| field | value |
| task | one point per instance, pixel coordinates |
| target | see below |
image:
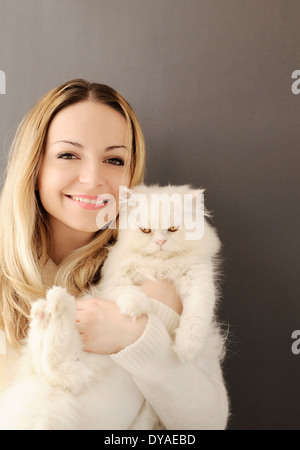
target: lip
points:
(89, 206)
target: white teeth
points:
(87, 200)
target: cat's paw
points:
(186, 348)
(53, 343)
(52, 322)
(60, 304)
(37, 314)
(57, 305)
(132, 305)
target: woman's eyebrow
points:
(76, 144)
(114, 147)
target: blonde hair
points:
(25, 238)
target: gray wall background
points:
(211, 83)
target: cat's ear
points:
(196, 193)
(198, 196)
(197, 200)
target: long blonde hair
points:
(24, 233)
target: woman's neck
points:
(65, 240)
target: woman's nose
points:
(91, 175)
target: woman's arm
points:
(105, 330)
(185, 396)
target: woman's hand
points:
(104, 329)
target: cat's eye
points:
(146, 230)
(173, 229)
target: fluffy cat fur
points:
(189, 264)
(57, 382)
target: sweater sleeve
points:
(185, 396)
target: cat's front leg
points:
(133, 302)
(198, 293)
(51, 325)
(54, 344)
(190, 337)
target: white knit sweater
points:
(190, 396)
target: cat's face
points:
(153, 228)
(161, 242)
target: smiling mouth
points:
(88, 201)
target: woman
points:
(80, 142)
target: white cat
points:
(57, 382)
(143, 253)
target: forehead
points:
(90, 122)
(156, 212)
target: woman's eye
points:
(115, 161)
(66, 156)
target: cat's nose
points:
(161, 242)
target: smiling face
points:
(83, 166)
